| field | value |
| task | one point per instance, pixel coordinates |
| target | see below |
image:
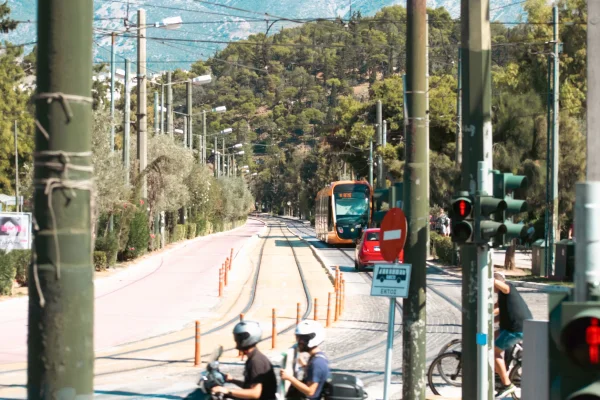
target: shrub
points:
(139, 236)
(21, 259)
(155, 241)
(108, 244)
(100, 261)
(191, 230)
(179, 233)
(201, 226)
(444, 249)
(8, 272)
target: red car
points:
(368, 251)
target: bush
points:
(179, 233)
(443, 248)
(21, 260)
(108, 244)
(155, 241)
(201, 226)
(100, 261)
(191, 230)
(139, 236)
(8, 272)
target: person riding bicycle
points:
(259, 381)
(512, 311)
(309, 335)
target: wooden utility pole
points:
(60, 359)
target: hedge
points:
(191, 230)
(179, 233)
(108, 244)
(8, 272)
(443, 247)
(100, 261)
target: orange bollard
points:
(336, 313)
(298, 307)
(337, 278)
(221, 282)
(225, 273)
(231, 258)
(316, 317)
(227, 263)
(343, 295)
(197, 356)
(274, 333)
(328, 310)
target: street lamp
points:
(237, 146)
(170, 23)
(226, 131)
(220, 109)
(202, 80)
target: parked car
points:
(368, 250)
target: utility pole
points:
(477, 338)
(156, 114)
(162, 107)
(554, 231)
(203, 143)
(17, 166)
(185, 132)
(416, 178)
(405, 112)
(112, 92)
(223, 153)
(169, 105)
(142, 145)
(384, 143)
(60, 355)
(593, 93)
(371, 162)
(189, 114)
(127, 121)
(216, 162)
(458, 156)
(380, 179)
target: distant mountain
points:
(210, 22)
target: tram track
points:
(222, 326)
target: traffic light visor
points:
(462, 208)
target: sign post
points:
(391, 280)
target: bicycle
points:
(451, 376)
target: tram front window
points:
(353, 208)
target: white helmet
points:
(312, 331)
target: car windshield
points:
(372, 236)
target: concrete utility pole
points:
(204, 143)
(169, 105)
(587, 205)
(554, 231)
(162, 107)
(189, 114)
(112, 92)
(380, 179)
(216, 161)
(142, 145)
(127, 121)
(223, 158)
(185, 132)
(17, 166)
(60, 355)
(416, 178)
(156, 114)
(458, 157)
(476, 166)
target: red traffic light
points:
(462, 208)
(581, 339)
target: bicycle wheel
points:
(453, 345)
(445, 374)
(515, 378)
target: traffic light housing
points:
(575, 350)
(461, 216)
(504, 185)
(488, 211)
(380, 196)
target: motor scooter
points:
(209, 379)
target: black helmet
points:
(246, 334)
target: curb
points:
(542, 287)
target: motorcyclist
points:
(259, 381)
(309, 335)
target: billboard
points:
(15, 231)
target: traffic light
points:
(575, 351)
(504, 185)
(380, 196)
(488, 222)
(462, 218)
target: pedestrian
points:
(259, 381)
(309, 336)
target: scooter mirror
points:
(219, 352)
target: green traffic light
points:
(462, 232)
